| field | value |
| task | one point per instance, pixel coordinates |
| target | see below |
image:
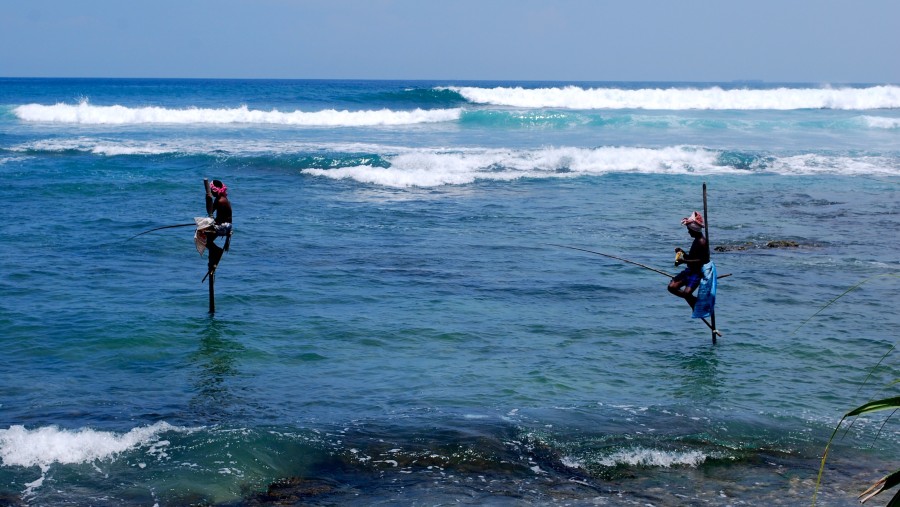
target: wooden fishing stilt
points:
(212, 292)
(211, 273)
(712, 313)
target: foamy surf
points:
(575, 97)
(435, 168)
(408, 167)
(49, 445)
(655, 458)
(425, 168)
(880, 122)
(88, 114)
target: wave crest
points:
(47, 445)
(86, 113)
(423, 168)
(574, 97)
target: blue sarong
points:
(706, 293)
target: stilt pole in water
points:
(712, 313)
(211, 273)
(212, 293)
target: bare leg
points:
(679, 289)
(215, 255)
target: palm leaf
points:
(885, 483)
(895, 502)
(872, 406)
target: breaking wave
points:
(405, 167)
(574, 97)
(44, 446)
(49, 445)
(86, 113)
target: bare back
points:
(222, 207)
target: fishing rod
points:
(160, 228)
(616, 258)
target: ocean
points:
(395, 322)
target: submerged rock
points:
(11, 500)
(292, 491)
(779, 243)
(782, 243)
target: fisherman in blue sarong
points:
(699, 271)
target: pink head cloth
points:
(693, 222)
(221, 191)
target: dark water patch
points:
(766, 245)
(414, 97)
(807, 201)
(490, 462)
(295, 491)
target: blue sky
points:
(823, 41)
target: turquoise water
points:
(393, 324)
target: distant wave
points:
(549, 118)
(86, 113)
(421, 97)
(573, 97)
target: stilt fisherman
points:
(218, 224)
(700, 271)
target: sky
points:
(800, 41)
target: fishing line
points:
(160, 228)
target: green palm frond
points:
(887, 482)
(892, 403)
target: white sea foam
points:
(409, 167)
(425, 168)
(641, 456)
(432, 168)
(4, 160)
(45, 446)
(812, 164)
(86, 113)
(574, 97)
(880, 122)
(185, 145)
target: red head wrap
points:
(693, 222)
(220, 190)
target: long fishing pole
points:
(638, 264)
(160, 228)
(617, 258)
(670, 275)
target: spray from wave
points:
(574, 97)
